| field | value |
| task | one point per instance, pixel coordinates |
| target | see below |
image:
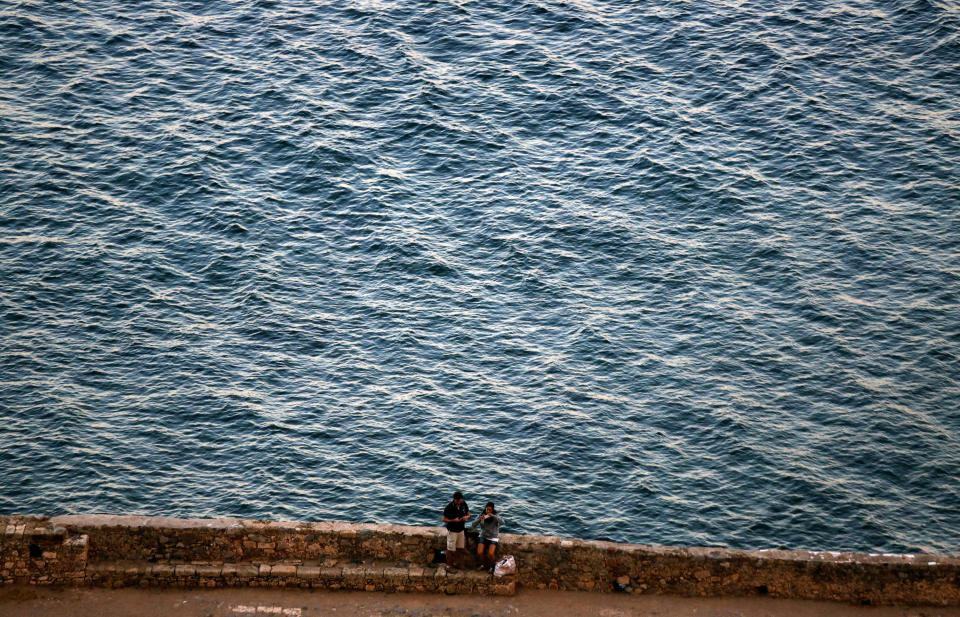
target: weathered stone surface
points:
(113, 551)
(505, 589)
(247, 571)
(352, 571)
(396, 573)
(283, 570)
(370, 572)
(209, 571)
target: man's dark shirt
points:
(452, 511)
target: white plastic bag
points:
(507, 565)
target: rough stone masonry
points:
(115, 551)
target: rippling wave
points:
(661, 272)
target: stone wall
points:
(117, 551)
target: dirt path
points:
(247, 602)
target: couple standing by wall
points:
(455, 516)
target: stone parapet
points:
(37, 551)
(113, 551)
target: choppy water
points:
(669, 272)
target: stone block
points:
(209, 571)
(308, 571)
(283, 570)
(185, 570)
(162, 569)
(476, 576)
(247, 571)
(265, 569)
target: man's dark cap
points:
(458, 495)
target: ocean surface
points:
(665, 272)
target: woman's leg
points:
(480, 555)
(492, 554)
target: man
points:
(454, 516)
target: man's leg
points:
(461, 548)
(451, 548)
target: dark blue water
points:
(662, 272)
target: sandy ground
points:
(246, 602)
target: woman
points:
(489, 523)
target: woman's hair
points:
(490, 505)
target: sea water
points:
(664, 272)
